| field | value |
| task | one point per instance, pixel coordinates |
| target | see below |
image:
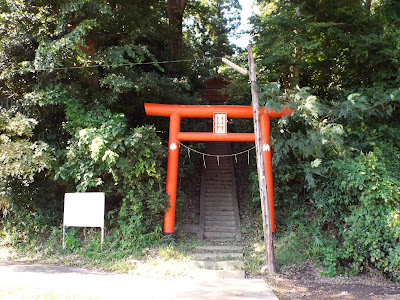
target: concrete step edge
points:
(217, 255)
(220, 235)
(220, 248)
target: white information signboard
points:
(84, 210)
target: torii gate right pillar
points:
(266, 142)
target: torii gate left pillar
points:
(175, 112)
(172, 172)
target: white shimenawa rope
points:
(217, 155)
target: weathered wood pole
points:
(269, 245)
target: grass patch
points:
(83, 249)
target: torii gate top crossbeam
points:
(206, 111)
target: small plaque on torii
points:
(220, 123)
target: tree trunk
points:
(176, 8)
(268, 239)
(368, 5)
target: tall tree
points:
(176, 9)
(323, 44)
(208, 26)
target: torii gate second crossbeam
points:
(176, 112)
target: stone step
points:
(212, 166)
(231, 248)
(219, 223)
(216, 190)
(218, 193)
(217, 274)
(219, 214)
(216, 196)
(219, 219)
(218, 206)
(219, 264)
(217, 209)
(219, 229)
(215, 180)
(219, 179)
(218, 182)
(213, 160)
(219, 176)
(218, 255)
(218, 201)
(219, 235)
(217, 185)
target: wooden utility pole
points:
(269, 245)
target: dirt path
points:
(308, 283)
(39, 281)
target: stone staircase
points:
(220, 255)
(219, 213)
(218, 260)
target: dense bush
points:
(337, 185)
(336, 159)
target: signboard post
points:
(84, 210)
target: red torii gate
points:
(176, 112)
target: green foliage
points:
(363, 200)
(77, 73)
(21, 159)
(328, 46)
(111, 158)
(336, 158)
(339, 163)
